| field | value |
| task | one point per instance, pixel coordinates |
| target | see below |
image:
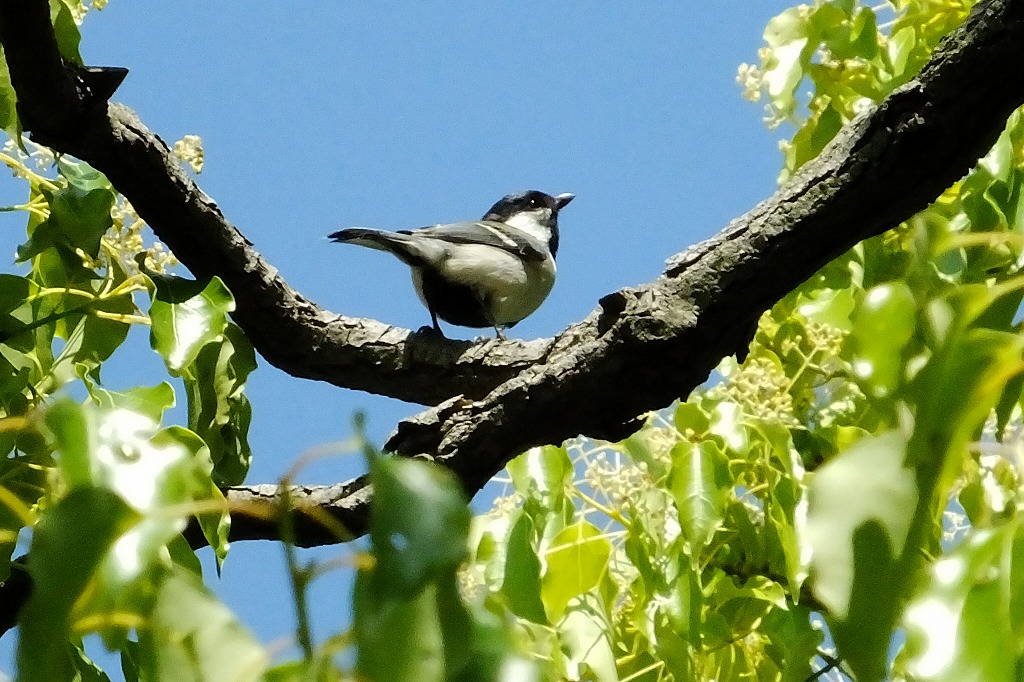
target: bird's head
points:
(533, 212)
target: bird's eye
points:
(534, 202)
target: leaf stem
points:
(17, 165)
(298, 574)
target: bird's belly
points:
(481, 289)
(517, 299)
(452, 302)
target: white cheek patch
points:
(533, 223)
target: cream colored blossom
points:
(189, 149)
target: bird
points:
(492, 272)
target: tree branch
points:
(640, 349)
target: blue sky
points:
(320, 116)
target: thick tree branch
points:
(640, 348)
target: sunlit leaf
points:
(185, 316)
(862, 505)
(576, 562)
(418, 525)
(73, 437)
(149, 401)
(543, 471)
(787, 35)
(701, 486)
(67, 546)
(521, 586)
(191, 635)
(585, 634)
(219, 411)
(966, 622)
(883, 325)
(65, 29)
(8, 102)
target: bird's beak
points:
(563, 199)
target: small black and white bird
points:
(492, 272)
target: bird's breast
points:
(507, 288)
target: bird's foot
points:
(427, 330)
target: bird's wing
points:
(486, 233)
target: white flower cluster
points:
(189, 149)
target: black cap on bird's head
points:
(532, 200)
(537, 208)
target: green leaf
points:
(864, 36)
(966, 623)
(14, 312)
(792, 641)
(218, 410)
(397, 636)
(691, 420)
(82, 176)
(72, 437)
(78, 219)
(674, 651)
(787, 37)
(782, 530)
(576, 561)
(23, 481)
(1007, 402)
(901, 44)
(68, 543)
(477, 645)
(156, 472)
(149, 401)
(85, 669)
(701, 486)
(65, 29)
(91, 339)
(130, 660)
(649, 445)
(418, 523)
(9, 122)
(543, 473)
(521, 586)
(884, 323)
(186, 316)
(320, 669)
(862, 506)
(652, 540)
(586, 637)
(191, 635)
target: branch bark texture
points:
(637, 351)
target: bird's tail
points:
(404, 247)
